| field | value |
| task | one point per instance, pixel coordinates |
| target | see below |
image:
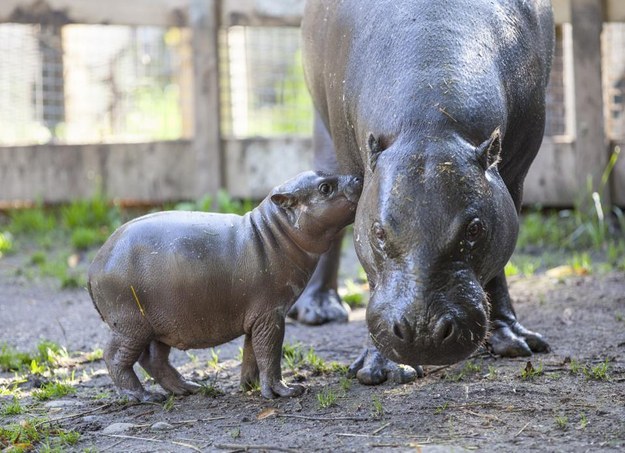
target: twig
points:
(486, 416)
(324, 419)
(188, 422)
(522, 429)
(113, 446)
(244, 447)
(143, 439)
(67, 417)
(182, 444)
(381, 428)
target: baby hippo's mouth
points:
(353, 190)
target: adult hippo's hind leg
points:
(320, 302)
(508, 337)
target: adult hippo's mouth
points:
(428, 327)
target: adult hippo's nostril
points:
(403, 330)
(444, 330)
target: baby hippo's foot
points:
(372, 368)
(316, 307)
(514, 340)
(271, 390)
(155, 360)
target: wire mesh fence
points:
(614, 80)
(90, 84)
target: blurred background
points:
(152, 101)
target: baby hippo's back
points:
(171, 273)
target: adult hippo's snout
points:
(420, 326)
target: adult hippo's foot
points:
(372, 368)
(320, 307)
(514, 340)
(320, 303)
(508, 338)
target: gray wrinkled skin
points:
(197, 280)
(440, 106)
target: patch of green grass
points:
(213, 362)
(55, 389)
(12, 360)
(581, 263)
(583, 421)
(529, 372)
(235, 432)
(36, 434)
(318, 365)
(38, 258)
(354, 294)
(210, 391)
(442, 408)
(599, 372)
(84, 238)
(345, 383)
(168, 405)
(12, 408)
(293, 355)
(326, 398)
(31, 221)
(492, 373)
(468, 368)
(561, 422)
(93, 214)
(6, 243)
(378, 408)
(95, 355)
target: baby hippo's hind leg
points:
(155, 360)
(249, 367)
(120, 355)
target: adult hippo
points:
(440, 105)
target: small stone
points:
(161, 426)
(116, 428)
(62, 403)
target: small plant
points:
(95, 355)
(529, 373)
(12, 360)
(101, 395)
(12, 408)
(378, 408)
(56, 389)
(317, 364)
(354, 294)
(511, 269)
(32, 220)
(561, 422)
(69, 437)
(240, 354)
(213, 362)
(6, 243)
(442, 408)
(581, 263)
(293, 355)
(492, 372)
(84, 238)
(235, 433)
(345, 383)
(38, 258)
(619, 317)
(210, 391)
(168, 405)
(599, 372)
(326, 398)
(576, 367)
(583, 421)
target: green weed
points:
(235, 433)
(326, 398)
(492, 372)
(378, 407)
(562, 422)
(95, 355)
(468, 368)
(354, 294)
(529, 373)
(55, 389)
(210, 391)
(442, 408)
(293, 355)
(12, 408)
(6, 243)
(38, 258)
(345, 383)
(168, 405)
(12, 360)
(84, 238)
(31, 221)
(599, 372)
(213, 362)
(317, 364)
(583, 421)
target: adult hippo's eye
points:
(325, 188)
(475, 230)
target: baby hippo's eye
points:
(325, 188)
(475, 230)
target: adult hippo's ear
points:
(375, 149)
(284, 200)
(488, 152)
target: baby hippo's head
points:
(317, 206)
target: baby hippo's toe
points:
(280, 388)
(181, 387)
(143, 396)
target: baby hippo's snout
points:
(353, 188)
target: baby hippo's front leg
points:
(267, 337)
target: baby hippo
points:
(196, 280)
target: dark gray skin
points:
(197, 280)
(440, 106)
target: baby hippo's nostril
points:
(444, 330)
(403, 330)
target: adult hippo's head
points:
(435, 223)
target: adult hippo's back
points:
(441, 106)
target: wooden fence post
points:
(591, 145)
(207, 150)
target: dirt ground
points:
(483, 404)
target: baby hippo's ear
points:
(284, 200)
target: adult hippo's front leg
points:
(320, 302)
